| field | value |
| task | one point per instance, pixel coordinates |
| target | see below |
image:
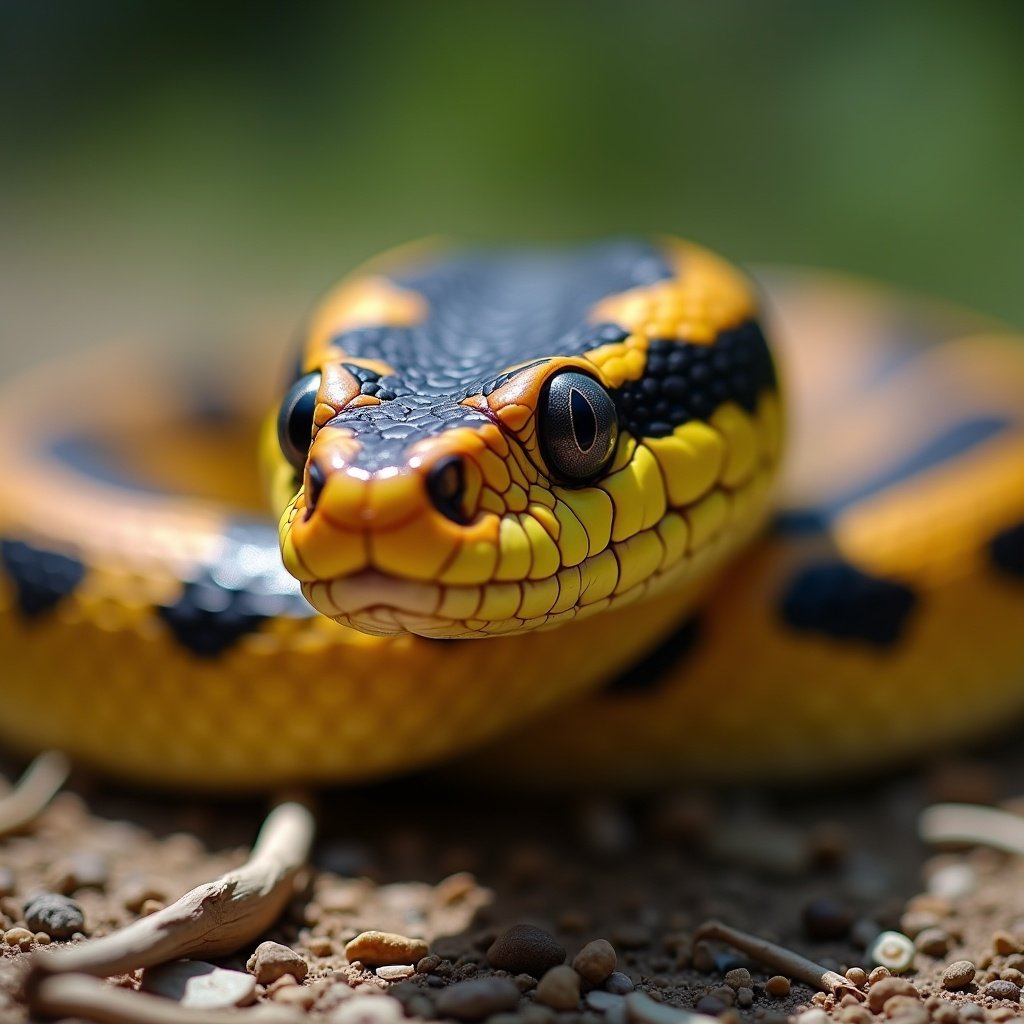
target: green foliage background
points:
(178, 166)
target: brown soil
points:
(817, 872)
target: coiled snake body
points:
(567, 452)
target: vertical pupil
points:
(584, 422)
(300, 421)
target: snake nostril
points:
(315, 480)
(446, 485)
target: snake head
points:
(482, 445)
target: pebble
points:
(273, 960)
(478, 998)
(395, 972)
(54, 914)
(526, 949)
(857, 976)
(199, 984)
(953, 881)
(604, 1001)
(367, 1009)
(933, 941)
(1003, 990)
(711, 1005)
(83, 870)
(827, 918)
(320, 945)
(1010, 974)
(777, 986)
(814, 1016)
(619, 984)
(1004, 943)
(139, 891)
(884, 989)
(20, 937)
(294, 995)
(595, 961)
(382, 949)
(559, 988)
(892, 950)
(738, 977)
(428, 964)
(877, 974)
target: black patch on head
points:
(488, 311)
(840, 601)
(658, 667)
(1007, 551)
(684, 381)
(234, 595)
(41, 578)
(369, 382)
(489, 387)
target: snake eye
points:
(578, 426)
(295, 420)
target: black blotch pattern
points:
(685, 381)
(41, 578)
(1007, 551)
(838, 600)
(369, 382)
(659, 666)
(208, 618)
(234, 595)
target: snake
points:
(606, 514)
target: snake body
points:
(526, 487)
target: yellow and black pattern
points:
(606, 444)
(554, 434)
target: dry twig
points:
(79, 996)
(35, 789)
(212, 920)
(783, 960)
(971, 823)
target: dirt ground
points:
(818, 872)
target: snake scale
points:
(561, 513)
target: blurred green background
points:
(179, 169)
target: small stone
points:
(526, 949)
(744, 997)
(885, 988)
(827, 918)
(857, 976)
(777, 986)
(878, 973)
(294, 995)
(1009, 974)
(894, 951)
(395, 972)
(711, 1005)
(428, 964)
(559, 988)
(1003, 944)
(703, 958)
(478, 998)
(972, 1012)
(525, 982)
(42, 939)
(595, 961)
(382, 949)
(953, 881)
(815, 1016)
(20, 937)
(83, 870)
(194, 983)
(958, 974)
(738, 977)
(1003, 990)
(272, 960)
(604, 1001)
(54, 914)
(320, 945)
(138, 891)
(619, 984)
(367, 1009)
(855, 1015)
(933, 942)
